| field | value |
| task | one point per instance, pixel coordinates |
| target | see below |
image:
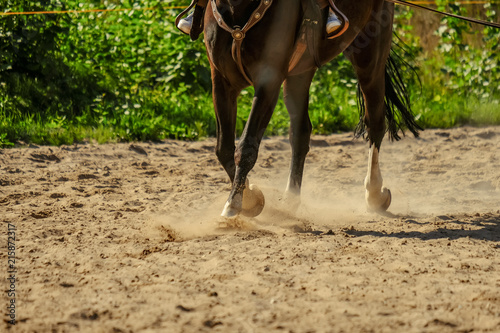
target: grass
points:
(328, 115)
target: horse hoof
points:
(380, 203)
(387, 202)
(253, 201)
(291, 201)
(229, 211)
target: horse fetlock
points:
(248, 202)
(245, 157)
(378, 201)
(373, 184)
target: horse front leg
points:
(225, 105)
(245, 198)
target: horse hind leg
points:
(371, 81)
(296, 96)
(370, 65)
(378, 197)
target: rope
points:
(468, 19)
(426, 2)
(87, 11)
(456, 2)
(472, 2)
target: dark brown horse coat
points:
(266, 53)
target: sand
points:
(128, 238)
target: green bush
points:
(130, 75)
(459, 82)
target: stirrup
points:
(332, 23)
(185, 24)
(180, 18)
(193, 24)
(341, 18)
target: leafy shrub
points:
(460, 82)
(130, 75)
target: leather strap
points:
(313, 30)
(323, 3)
(306, 36)
(239, 33)
(300, 49)
(198, 22)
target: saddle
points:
(310, 32)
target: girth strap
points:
(239, 33)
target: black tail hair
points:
(399, 115)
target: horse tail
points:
(399, 115)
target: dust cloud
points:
(122, 241)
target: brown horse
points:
(265, 55)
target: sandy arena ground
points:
(128, 238)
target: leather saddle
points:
(310, 33)
(309, 16)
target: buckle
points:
(238, 34)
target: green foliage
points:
(333, 102)
(150, 76)
(36, 80)
(460, 82)
(130, 75)
(130, 71)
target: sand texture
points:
(129, 238)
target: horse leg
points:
(225, 104)
(378, 198)
(246, 199)
(370, 63)
(296, 96)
